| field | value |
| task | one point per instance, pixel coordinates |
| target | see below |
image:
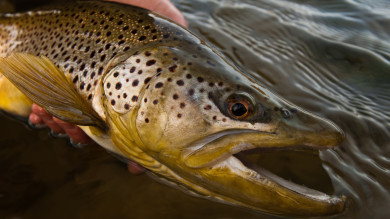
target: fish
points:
(148, 90)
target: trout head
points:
(191, 112)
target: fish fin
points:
(45, 84)
(12, 100)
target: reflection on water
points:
(330, 57)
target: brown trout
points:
(147, 89)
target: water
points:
(330, 57)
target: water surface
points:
(330, 57)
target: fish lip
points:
(258, 173)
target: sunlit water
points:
(330, 57)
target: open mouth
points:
(264, 171)
(243, 152)
(297, 170)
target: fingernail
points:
(35, 126)
(77, 144)
(57, 135)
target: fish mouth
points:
(242, 182)
(258, 171)
(237, 159)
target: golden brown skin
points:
(149, 90)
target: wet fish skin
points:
(147, 89)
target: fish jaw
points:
(216, 165)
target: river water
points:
(330, 57)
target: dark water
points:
(330, 57)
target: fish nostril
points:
(293, 110)
(285, 113)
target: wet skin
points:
(40, 117)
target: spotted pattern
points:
(82, 37)
(129, 78)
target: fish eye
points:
(239, 108)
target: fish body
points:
(149, 90)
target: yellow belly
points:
(12, 100)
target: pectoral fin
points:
(45, 84)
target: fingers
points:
(46, 118)
(35, 119)
(39, 116)
(135, 168)
(74, 132)
(163, 7)
(168, 9)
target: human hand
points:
(163, 7)
(39, 116)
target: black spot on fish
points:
(147, 80)
(147, 120)
(100, 71)
(179, 115)
(188, 76)
(134, 98)
(175, 96)
(118, 86)
(159, 85)
(200, 79)
(108, 85)
(142, 38)
(155, 102)
(75, 79)
(82, 67)
(173, 68)
(208, 107)
(135, 83)
(127, 106)
(150, 62)
(182, 105)
(180, 82)
(113, 102)
(191, 92)
(132, 70)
